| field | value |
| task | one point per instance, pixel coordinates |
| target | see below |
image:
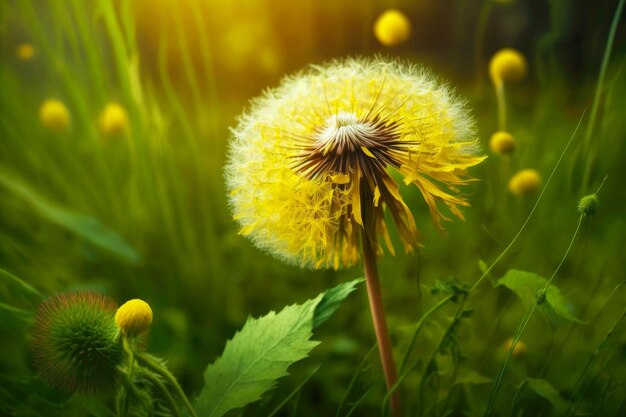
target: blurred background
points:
(124, 192)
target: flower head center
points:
(344, 132)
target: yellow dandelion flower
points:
(113, 120)
(502, 143)
(54, 115)
(507, 64)
(134, 317)
(392, 27)
(308, 165)
(25, 51)
(525, 182)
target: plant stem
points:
(380, 323)
(501, 105)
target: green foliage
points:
(529, 287)
(87, 227)
(260, 353)
(544, 389)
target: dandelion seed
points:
(308, 165)
(525, 182)
(134, 317)
(392, 28)
(25, 52)
(113, 120)
(54, 116)
(74, 342)
(502, 143)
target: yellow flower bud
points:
(54, 115)
(113, 120)
(25, 51)
(502, 143)
(525, 182)
(507, 65)
(134, 317)
(392, 27)
(519, 350)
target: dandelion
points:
(502, 143)
(25, 51)
(506, 65)
(134, 317)
(113, 120)
(525, 182)
(308, 169)
(392, 28)
(74, 342)
(54, 115)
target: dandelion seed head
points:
(525, 182)
(308, 163)
(54, 115)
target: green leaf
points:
(527, 285)
(260, 353)
(87, 227)
(331, 300)
(470, 377)
(547, 391)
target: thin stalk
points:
(129, 376)
(163, 390)
(380, 323)
(501, 105)
(600, 87)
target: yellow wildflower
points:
(113, 120)
(507, 64)
(308, 164)
(502, 143)
(519, 350)
(525, 182)
(134, 317)
(25, 51)
(392, 27)
(54, 115)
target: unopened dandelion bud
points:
(54, 115)
(588, 205)
(113, 120)
(74, 342)
(507, 65)
(519, 350)
(502, 143)
(309, 170)
(525, 182)
(392, 27)
(25, 51)
(134, 317)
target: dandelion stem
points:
(380, 323)
(501, 105)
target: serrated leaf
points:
(260, 353)
(87, 227)
(547, 391)
(331, 300)
(526, 285)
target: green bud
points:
(587, 205)
(541, 297)
(75, 346)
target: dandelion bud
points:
(74, 346)
(54, 115)
(507, 65)
(519, 350)
(502, 143)
(525, 182)
(113, 120)
(587, 205)
(25, 51)
(134, 317)
(392, 27)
